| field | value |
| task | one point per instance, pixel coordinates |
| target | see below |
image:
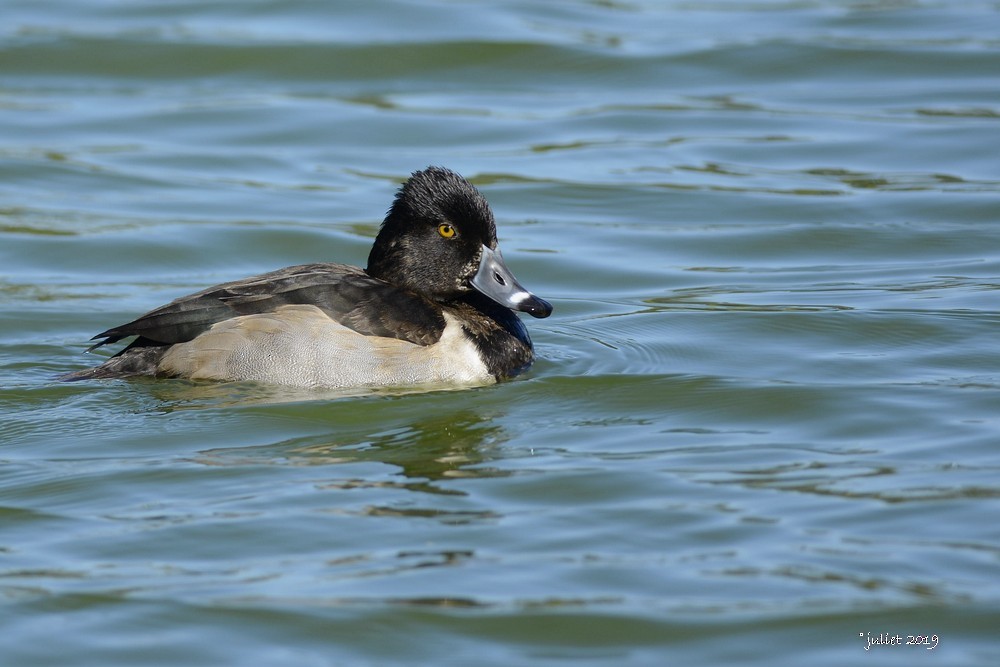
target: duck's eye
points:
(446, 231)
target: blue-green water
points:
(763, 426)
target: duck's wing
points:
(345, 293)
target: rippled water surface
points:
(764, 422)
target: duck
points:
(436, 305)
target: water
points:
(763, 423)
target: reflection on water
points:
(180, 394)
(450, 445)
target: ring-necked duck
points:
(434, 306)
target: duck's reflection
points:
(446, 445)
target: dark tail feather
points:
(130, 362)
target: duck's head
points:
(439, 240)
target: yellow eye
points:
(446, 230)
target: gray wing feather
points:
(346, 293)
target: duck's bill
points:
(496, 281)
